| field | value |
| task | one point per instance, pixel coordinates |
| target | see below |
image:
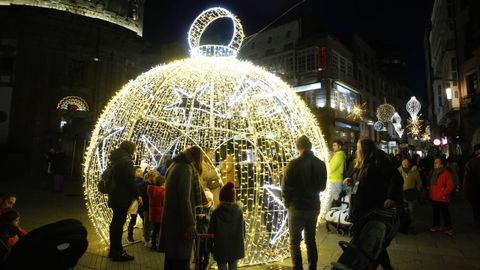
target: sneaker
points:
(448, 232)
(436, 229)
(130, 238)
(148, 244)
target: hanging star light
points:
(414, 126)
(358, 111)
(212, 100)
(385, 112)
(413, 107)
(426, 134)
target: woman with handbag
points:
(412, 185)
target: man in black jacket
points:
(124, 192)
(305, 177)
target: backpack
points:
(105, 184)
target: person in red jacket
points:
(156, 195)
(440, 188)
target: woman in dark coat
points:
(124, 192)
(376, 184)
(182, 193)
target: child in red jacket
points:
(440, 188)
(156, 195)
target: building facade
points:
(454, 56)
(331, 74)
(59, 68)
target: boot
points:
(122, 257)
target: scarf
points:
(435, 174)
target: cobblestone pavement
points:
(423, 250)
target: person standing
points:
(471, 184)
(305, 177)
(336, 167)
(141, 186)
(440, 189)
(156, 195)
(124, 192)
(182, 189)
(412, 185)
(376, 185)
(228, 227)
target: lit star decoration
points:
(385, 112)
(214, 101)
(414, 126)
(426, 134)
(358, 112)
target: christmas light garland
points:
(215, 102)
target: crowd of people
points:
(186, 200)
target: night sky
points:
(396, 22)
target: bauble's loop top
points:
(202, 22)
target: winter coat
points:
(228, 227)
(304, 178)
(124, 188)
(336, 167)
(156, 196)
(440, 192)
(374, 183)
(182, 192)
(411, 179)
(471, 180)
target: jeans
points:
(133, 221)
(443, 208)
(411, 208)
(227, 266)
(298, 221)
(116, 229)
(332, 192)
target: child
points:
(203, 219)
(10, 229)
(156, 196)
(228, 227)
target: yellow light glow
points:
(414, 126)
(358, 111)
(220, 103)
(385, 112)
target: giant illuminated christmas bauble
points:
(218, 102)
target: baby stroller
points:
(376, 230)
(337, 217)
(55, 246)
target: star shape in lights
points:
(274, 191)
(189, 103)
(152, 150)
(100, 152)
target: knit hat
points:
(228, 193)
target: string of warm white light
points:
(220, 103)
(78, 103)
(413, 107)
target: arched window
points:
(73, 103)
